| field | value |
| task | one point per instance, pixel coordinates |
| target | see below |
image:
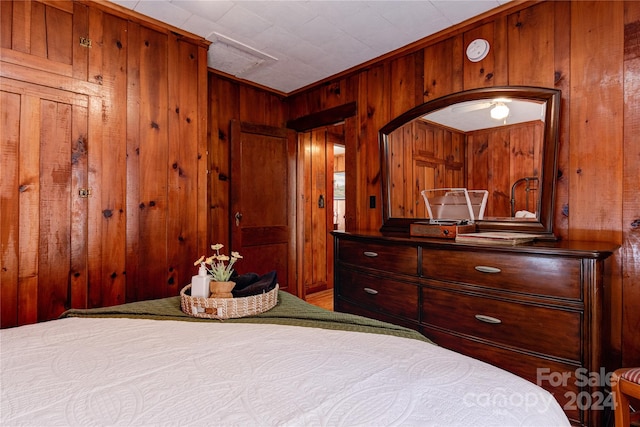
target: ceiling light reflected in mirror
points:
(499, 111)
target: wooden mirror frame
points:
(543, 225)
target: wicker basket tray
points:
(227, 308)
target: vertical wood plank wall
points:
(590, 51)
(125, 119)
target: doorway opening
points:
(322, 184)
(339, 185)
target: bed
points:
(148, 363)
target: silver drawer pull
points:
(371, 291)
(370, 254)
(487, 269)
(488, 319)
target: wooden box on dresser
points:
(536, 309)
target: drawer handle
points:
(371, 291)
(488, 319)
(487, 269)
(370, 254)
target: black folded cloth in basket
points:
(252, 284)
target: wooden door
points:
(263, 165)
(42, 216)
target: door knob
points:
(238, 217)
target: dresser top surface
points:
(570, 248)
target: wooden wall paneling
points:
(499, 168)
(224, 103)
(39, 43)
(417, 180)
(30, 42)
(21, 36)
(482, 73)
(442, 68)
(183, 203)
(29, 172)
(330, 211)
(299, 103)
(577, 53)
(107, 154)
(102, 234)
(96, 58)
(397, 153)
(9, 205)
(351, 143)
(133, 199)
(259, 106)
(333, 94)
(304, 208)
(319, 206)
(629, 254)
(531, 30)
(453, 158)
(154, 161)
(80, 53)
(6, 24)
(561, 16)
(79, 161)
(500, 59)
(406, 83)
(420, 137)
(59, 34)
(596, 182)
(202, 145)
(54, 255)
(373, 113)
(56, 120)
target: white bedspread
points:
(146, 372)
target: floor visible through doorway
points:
(322, 299)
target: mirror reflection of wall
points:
(339, 203)
(507, 160)
(463, 146)
(459, 140)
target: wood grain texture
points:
(153, 164)
(595, 168)
(584, 48)
(9, 205)
(182, 190)
(562, 80)
(627, 294)
(106, 128)
(107, 151)
(54, 245)
(223, 107)
(482, 73)
(6, 24)
(133, 158)
(574, 46)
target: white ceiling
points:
(474, 115)
(289, 44)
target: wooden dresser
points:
(536, 310)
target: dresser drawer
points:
(373, 292)
(396, 259)
(532, 328)
(530, 367)
(532, 274)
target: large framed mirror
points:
(500, 139)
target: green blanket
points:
(290, 310)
